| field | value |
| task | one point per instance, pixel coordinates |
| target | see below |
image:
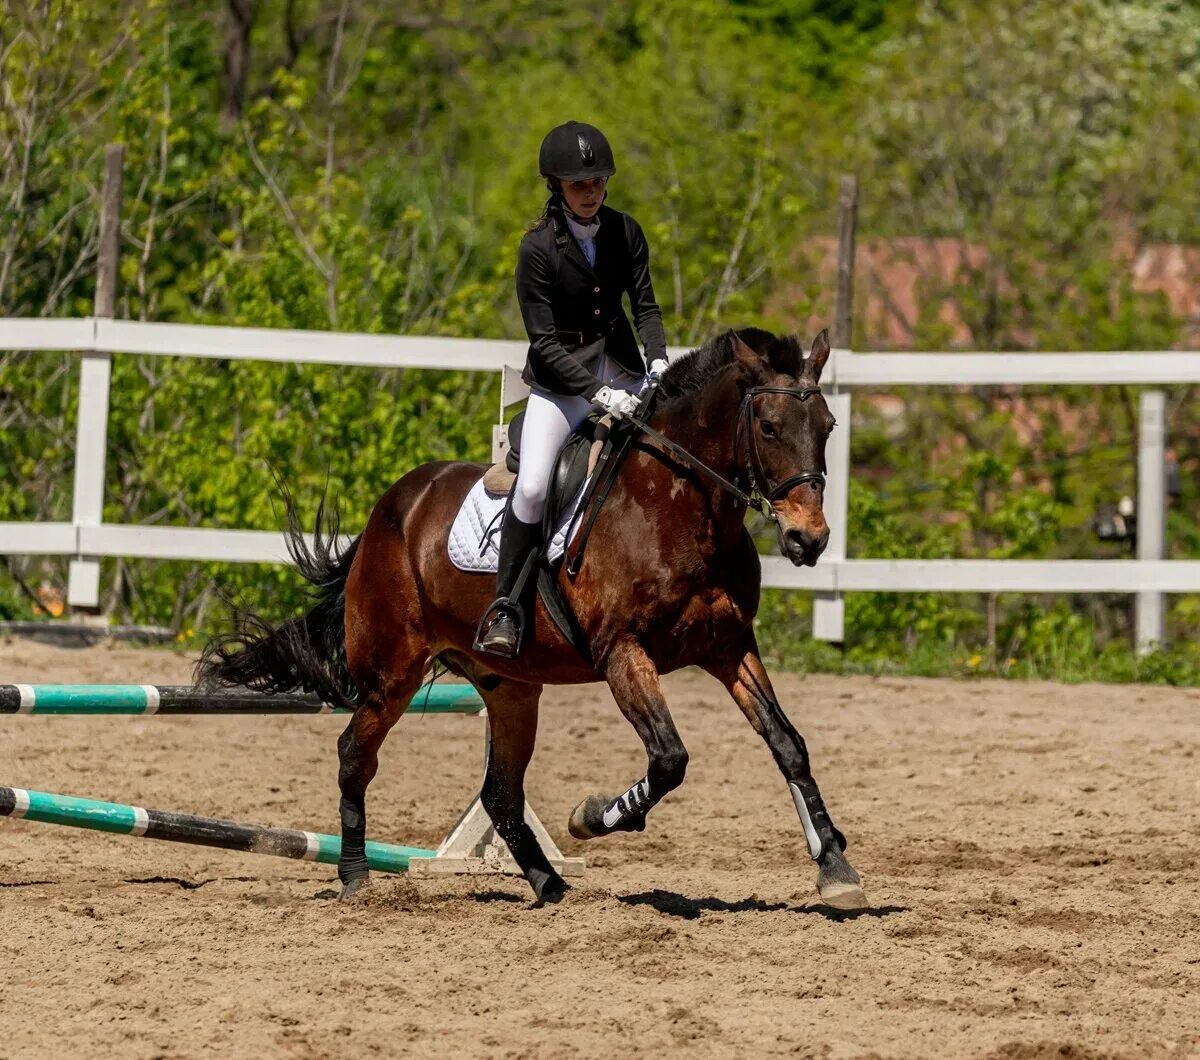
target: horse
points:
(671, 578)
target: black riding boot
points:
(518, 540)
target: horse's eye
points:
(767, 428)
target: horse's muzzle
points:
(803, 547)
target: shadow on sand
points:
(500, 896)
(691, 908)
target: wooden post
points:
(95, 374)
(843, 316)
(108, 255)
(829, 609)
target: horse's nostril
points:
(805, 539)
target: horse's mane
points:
(695, 370)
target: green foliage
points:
(1062, 646)
(379, 171)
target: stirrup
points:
(501, 607)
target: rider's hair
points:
(554, 204)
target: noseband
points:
(762, 493)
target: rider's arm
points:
(647, 317)
(535, 278)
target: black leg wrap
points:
(352, 863)
(819, 830)
(547, 884)
(353, 869)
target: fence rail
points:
(846, 368)
(97, 339)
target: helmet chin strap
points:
(571, 213)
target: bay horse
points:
(671, 578)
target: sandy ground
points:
(1030, 849)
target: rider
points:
(572, 268)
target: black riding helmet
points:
(576, 151)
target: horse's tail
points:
(306, 653)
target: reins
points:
(759, 498)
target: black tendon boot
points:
(519, 542)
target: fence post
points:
(95, 374)
(829, 609)
(1151, 510)
(843, 317)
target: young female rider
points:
(572, 269)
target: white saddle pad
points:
(474, 541)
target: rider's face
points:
(584, 197)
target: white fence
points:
(87, 538)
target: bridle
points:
(762, 492)
(760, 484)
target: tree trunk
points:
(237, 59)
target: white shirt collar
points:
(582, 232)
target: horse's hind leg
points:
(748, 683)
(635, 686)
(512, 710)
(358, 759)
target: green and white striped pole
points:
(201, 831)
(183, 699)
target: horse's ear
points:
(817, 357)
(747, 359)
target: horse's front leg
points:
(746, 678)
(635, 686)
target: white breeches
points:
(550, 419)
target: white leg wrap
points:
(628, 804)
(810, 833)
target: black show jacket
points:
(573, 311)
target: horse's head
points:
(783, 426)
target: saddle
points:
(575, 462)
(592, 453)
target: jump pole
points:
(472, 846)
(200, 831)
(184, 699)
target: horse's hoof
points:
(355, 885)
(587, 819)
(549, 888)
(845, 896)
(838, 884)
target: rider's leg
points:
(518, 540)
(549, 421)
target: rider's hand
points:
(657, 367)
(616, 402)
